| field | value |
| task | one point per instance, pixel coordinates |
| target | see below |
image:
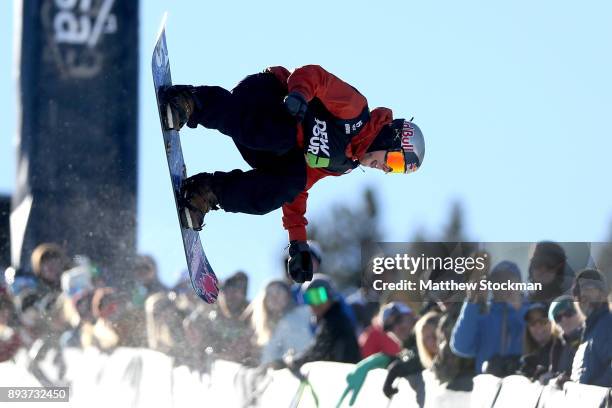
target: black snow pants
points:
(254, 116)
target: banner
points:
(77, 125)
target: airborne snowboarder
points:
(293, 129)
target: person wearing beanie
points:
(537, 341)
(593, 359)
(548, 266)
(233, 295)
(335, 338)
(48, 261)
(225, 326)
(493, 337)
(387, 333)
(569, 325)
(293, 129)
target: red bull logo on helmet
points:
(407, 133)
(411, 167)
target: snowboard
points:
(203, 279)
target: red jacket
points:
(344, 102)
(375, 340)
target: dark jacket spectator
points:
(364, 304)
(26, 305)
(410, 362)
(229, 338)
(51, 325)
(335, 335)
(549, 267)
(165, 325)
(593, 360)
(570, 325)
(223, 330)
(233, 295)
(456, 371)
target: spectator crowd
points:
(558, 334)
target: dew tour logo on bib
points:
(318, 143)
(407, 133)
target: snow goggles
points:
(396, 161)
(316, 296)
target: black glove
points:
(296, 105)
(181, 101)
(299, 265)
(392, 373)
(402, 367)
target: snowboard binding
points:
(195, 200)
(177, 105)
(190, 216)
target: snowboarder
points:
(293, 129)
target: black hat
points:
(547, 253)
(536, 306)
(589, 277)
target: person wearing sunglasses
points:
(335, 338)
(565, 316)
(569, 324)
(293, 129)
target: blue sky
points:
(514, 100)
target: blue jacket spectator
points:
(593, 360)
(498, 331)
(478, 335)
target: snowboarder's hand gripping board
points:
(178, 104)
(197, 198)
(299, 264)
(175, 107)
